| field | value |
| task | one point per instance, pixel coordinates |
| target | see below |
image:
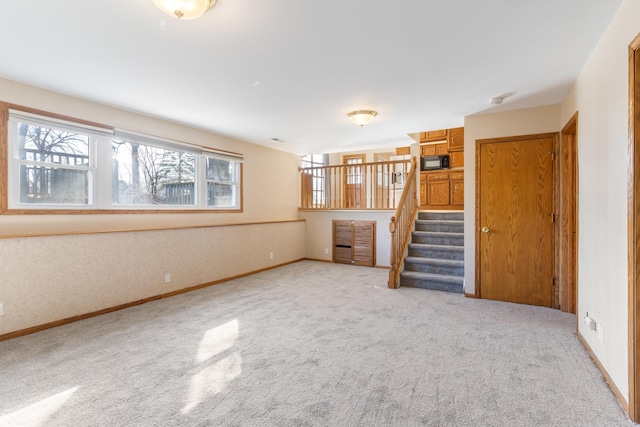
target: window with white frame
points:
(56, 164)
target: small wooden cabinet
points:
(354, 242)
(433, 135)
(423, 188)
(455, 139)
(433, 149)
(456, 188)
(403, 151)
(442, 190)
(456, 159)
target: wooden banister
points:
(358, 186)
(401, 225)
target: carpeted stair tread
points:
(435, 266)
(437, 225)
(441, 261)
(458, 216)
(438, 221)
(438, 237)
(436, 282)
(436, 247)
(433, 277)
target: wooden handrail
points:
(360, 186)
(401, 225)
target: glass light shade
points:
(361, 117)
(184, 9)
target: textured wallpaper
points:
(44, 279)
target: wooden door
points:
(515, 232)
(342, 241)
(354, 181)
(364, 237)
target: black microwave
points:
(434, 162)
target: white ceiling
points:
(293, 69)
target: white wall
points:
(495, 125)
(319, 232)
(600, 95)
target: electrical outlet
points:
(326, 251)
(270, 255)
(167, 278)
(1, 309)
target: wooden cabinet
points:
(428, 150)
(433, 149)
(442, 190)
(423, 188)
(438, 188)
(433, 135)
(354, 242)
(456, 159)
(456, 188)
(455, 139)
(403, 151)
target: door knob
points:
(485, 229)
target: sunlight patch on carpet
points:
(39, 413)
(212, 380)
(217, 340)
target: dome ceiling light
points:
(184, 9)
(362, 117)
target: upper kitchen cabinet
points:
(433, 135)
(455, 139)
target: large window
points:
(57, 164)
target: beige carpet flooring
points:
(309, 344)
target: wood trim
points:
(4, 158)
(568, 217)
(113, 211)
(319, 260)
(467, 295)
(346, 157)
(633, 223)
(477, 290)
(516, 138)
(49, 114)
(68, 320)
(555, 291)
(605, 374)
(135, 230)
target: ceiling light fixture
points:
(184, 9)
(361, 117)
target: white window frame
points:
(94, 134)
(99, 169)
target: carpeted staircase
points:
(436, 253)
